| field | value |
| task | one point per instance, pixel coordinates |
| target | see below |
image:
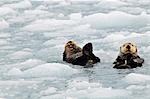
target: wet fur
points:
(84, 57)
(70, 54)
(128, 59)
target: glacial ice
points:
(20, 5)
(113, 20)
(134, 78)
(32, 38)
(3, 24)
(48, 25)
(6, 11)
(20, 55)
(84, 89)
(49, 69)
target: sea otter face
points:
(70, 47)
(128, 48)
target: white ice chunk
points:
(134, 78)
(86, 90)
(57, 41)
(111, 4)
(3, 24)
(17, 82)
(114, 37)
(41, 7)
(6, 10)
(20, 55)
(14, 72)
(80, 85)
(20, 5)
(137, 87)
(116, 19)
(132, 10)
(3, 42)
(48, 24)
(4, 35)
(30, 63)
(48, 91)
(75, 16)
(35, 12)
(16, 20)
(50, 69)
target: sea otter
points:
(128, 57)
(77, 56)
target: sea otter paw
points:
(138, 60)
(90, 61)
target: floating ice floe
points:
(138, 87)
(3, 24)
(4, 35)
(81, 85)
(14, 72)
(45, 70)
(16, 20)
(110, 38)
(6, 11)
(132, 10)
(20, 5)
(3, 42)
(20, 54)
(56, 41)
(4, 39)
(41, 7)
(36, 12)
(48, 25)
(134, 78)
(116, 19)
(50, 69)
(86, 90)
(111, 4)
(75, 16)
(30, 63)
(138, 2)
(121, 37)
(17, 82)
(48, 91)
(113, 37)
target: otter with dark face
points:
(77, 56)
(128, 57)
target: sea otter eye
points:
(124, 45)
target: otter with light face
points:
(77, 56)
(128, 57)
(71, 51)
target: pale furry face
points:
(128, 48)
(70, 47)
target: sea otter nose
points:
(128, 47)
(71, 45)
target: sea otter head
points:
(128, 48)
(70, 47)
